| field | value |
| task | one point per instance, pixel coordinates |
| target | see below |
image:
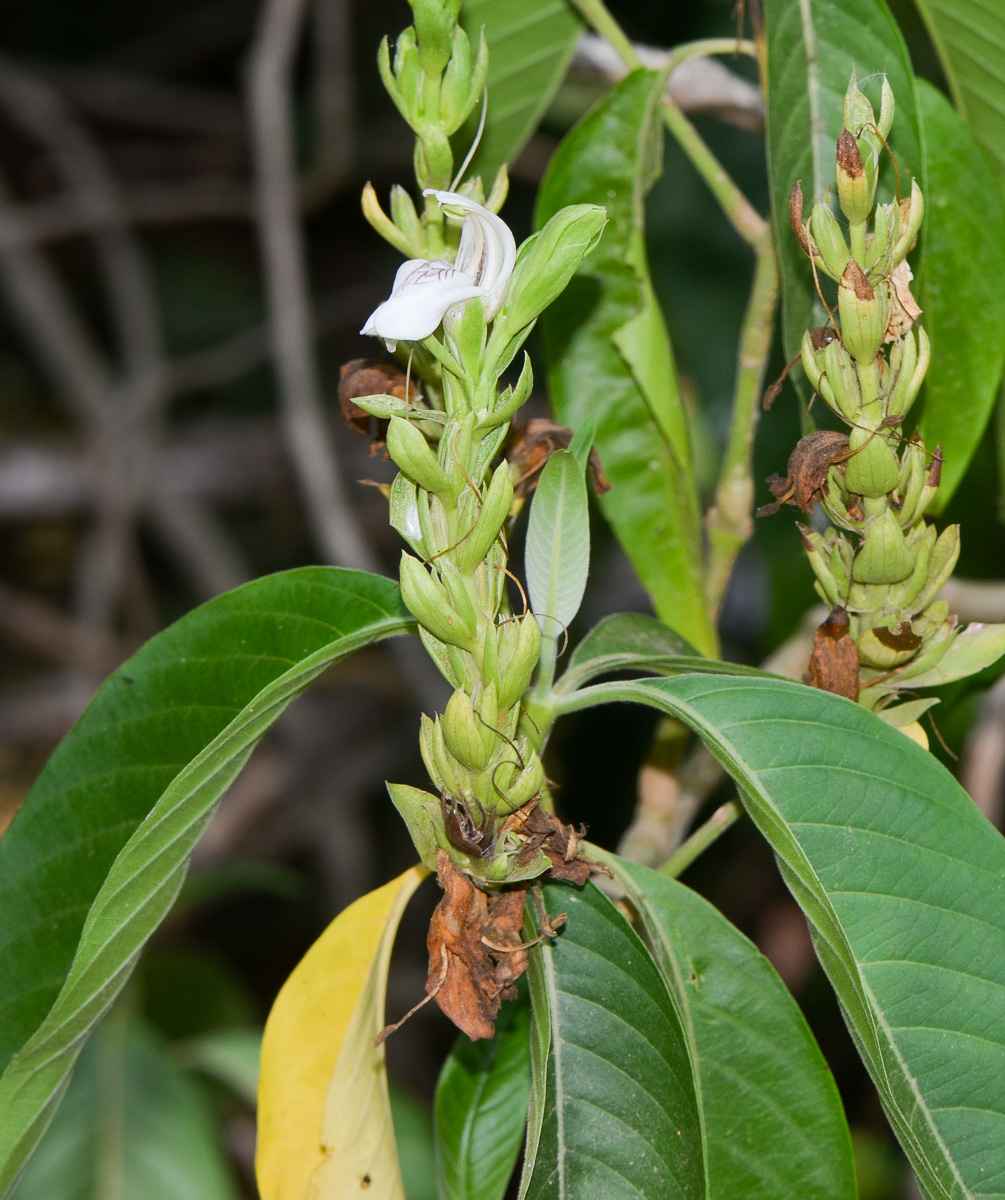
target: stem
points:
(724, 816)
(729, 521)
(742, 215)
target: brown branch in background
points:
(269, 81)
(334, 107)
(698, 85)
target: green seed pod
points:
(459, 597)
(453, 664)
(427, 600)
(530, 782)
(826, 584)
(465, 736)
(864, 311)
(911, 483)
(496, 503)
(854, 192)
(879, 251)
(518, 658)
(905, 393)
(883, 556)
(886, 648)
(467, 331)
(872, 468)
(904, 594)
(944, 555)
(445, 772)
(931, 653)
(512, 399)
(829, 240)
(410, 450)
(403, 104)
(912, 211)
(842, 378)
(903, 362)
(857, 113)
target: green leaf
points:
(788, 1135)
(96, 856)
(609, 356)
(813, 47)
(635, 642)
(614, 1111)
(977, 647)
(557, 553)
(413, 1132)
(969, 36)
(133, 1124)
(903, 883)
(481, 1109)
(531, 43)
(961, 295)
(230, 1056)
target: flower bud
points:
(388, 77)
(426, 599)
(463, 83)
(460, 600)
(519, 653)
(496, 503)
(380, 221)
(433, 159)
(904, 594)
(886, 110)
(548, 261)
(465, 736)
(857, 113)
(912, 210)
(511, 400)
(410, 450)
(842, 379)
(883, 556)
(854, 193)
(944, 556)
(872, 468)
(826, 585)
(406, 219)
(864, 311)
(434, 32)
(829, 240)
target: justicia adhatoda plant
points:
(487, 827)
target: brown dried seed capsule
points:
(834, 663)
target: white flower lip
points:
(425, 289)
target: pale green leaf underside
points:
(903, 882)
(557, 553)
(95, 859)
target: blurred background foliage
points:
(161, 1104)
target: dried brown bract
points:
(904, 309)
(808, 466)
(834, 663)
(370, 377)
(531, 445)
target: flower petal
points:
(487, 250)
(423, 291)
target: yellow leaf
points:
(324, 1119)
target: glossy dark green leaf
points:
(635, 642)
(98, 852)
(609, 356)
(531, 43)
(903, 882)
(133, 1124)
(969, 36)
(481, 1109)
(774, 1125)
(614, 1112)
(813, 47)
(961, 295)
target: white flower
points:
(426, 289)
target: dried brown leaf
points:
(807, 469)
(834, 662)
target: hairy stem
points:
(724, 816)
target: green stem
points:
(724, 816)
(742, 215)
(729, 521)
